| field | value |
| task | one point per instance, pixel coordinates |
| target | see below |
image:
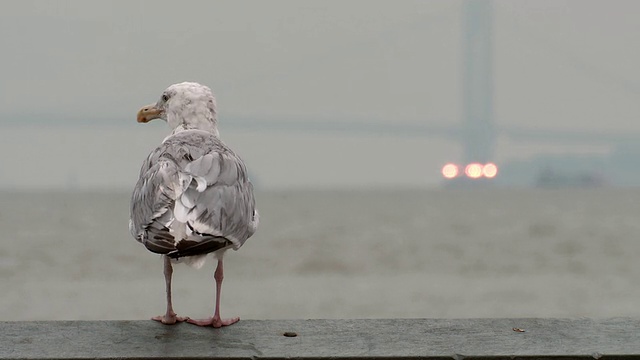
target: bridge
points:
(456, 132)
(477, 131)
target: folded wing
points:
(193, 197)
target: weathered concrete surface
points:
(394, 338)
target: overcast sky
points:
(74, 73)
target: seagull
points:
(193, 197)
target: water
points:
(337, 254)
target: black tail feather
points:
(201, 247)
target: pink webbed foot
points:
(216, 322)
(169, 319)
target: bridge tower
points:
(479, 134)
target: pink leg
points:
(216, 321)
(170, 317)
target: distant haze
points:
(74, 73)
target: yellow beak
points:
(148, 113)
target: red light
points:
(490, 170)
(473, 170)
(449, 171)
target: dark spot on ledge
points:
(290, 334)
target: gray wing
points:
(193, 197)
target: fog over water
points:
(320, 98)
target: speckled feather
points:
(193, 179)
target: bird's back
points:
(193, 197)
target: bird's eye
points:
(165, 97)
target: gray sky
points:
(74, 73)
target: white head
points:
(183, 106)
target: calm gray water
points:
(332, 254)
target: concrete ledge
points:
(335, 339)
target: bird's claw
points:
(170, 319)
(216, 322)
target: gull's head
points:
(186, 105)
